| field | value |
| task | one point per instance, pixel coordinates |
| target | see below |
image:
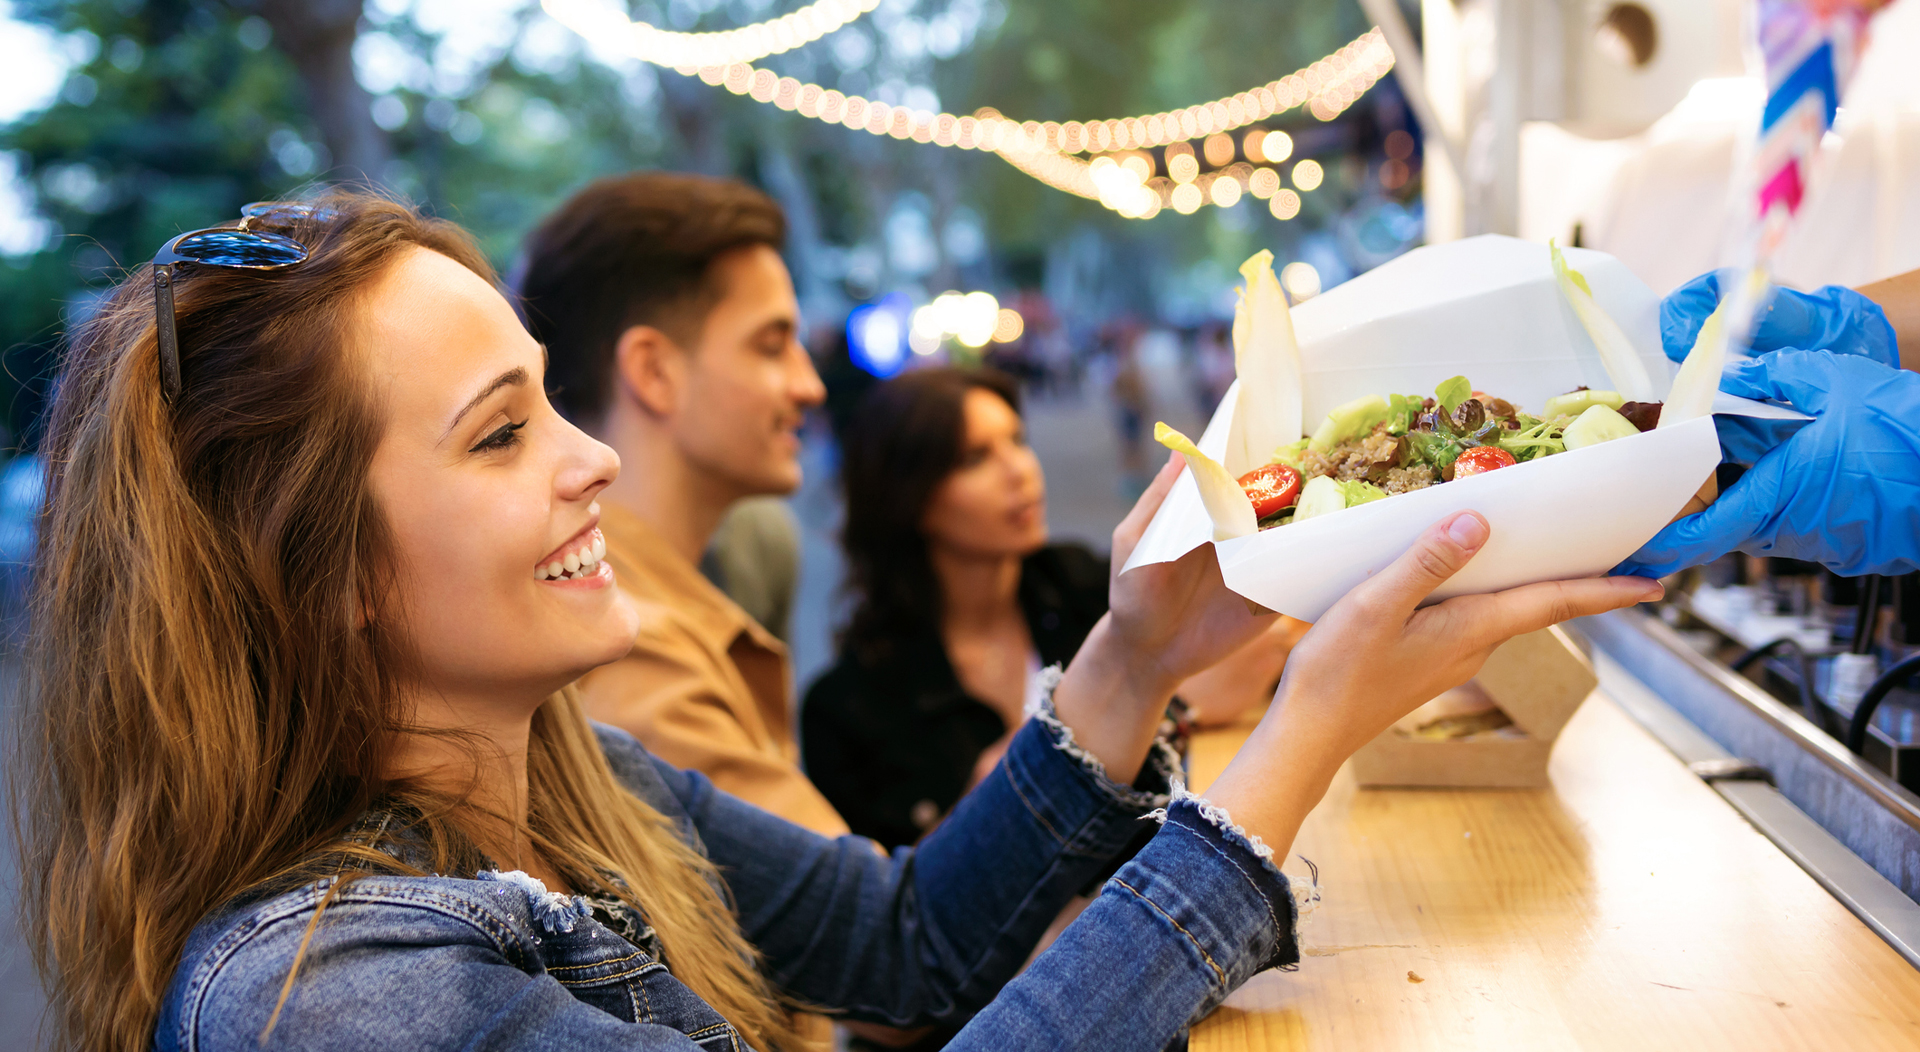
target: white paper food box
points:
(1486, 308)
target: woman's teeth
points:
(575, 564)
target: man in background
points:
(672, 332)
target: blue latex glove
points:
(1842, 491)
(1833, 319)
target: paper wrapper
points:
(1486, 308)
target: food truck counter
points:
(1628, 906)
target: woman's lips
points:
(599, 575)
(578, 557)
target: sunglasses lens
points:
(241, 248)
(285, 213)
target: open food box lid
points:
(1487, 308)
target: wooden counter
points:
(1628, 907)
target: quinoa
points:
(1406, 480)
(1355, 458)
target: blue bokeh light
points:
(877, 334)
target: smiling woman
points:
(304, 770)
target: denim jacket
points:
(932, 934)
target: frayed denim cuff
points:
(1159, 775)
(1269, 934)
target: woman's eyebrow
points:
(515, 376)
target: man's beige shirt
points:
(705, 686)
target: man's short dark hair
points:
(632, 250)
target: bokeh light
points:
(1219, 149)
(877, 335)
(1276, 146)
(1301, 281)
(1008, 326)
(1285, 204)
(979, 315)
(1225, 191)
(1186, 198)
(1183, 167)
(1308, 174)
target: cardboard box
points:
(1539, 680)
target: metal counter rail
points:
(1862, 809)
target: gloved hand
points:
(1833, 319)
(1842, 491)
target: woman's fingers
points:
(1127, 534)
(1438, 554)
(1488, 620)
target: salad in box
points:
(1489, 374)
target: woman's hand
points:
(1166, 622)
(1177, 618)
(1376, 656)
(1244, 679)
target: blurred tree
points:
(318, 36)
(177, 114)
(179, 111)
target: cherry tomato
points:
(1271, 488)
(1481, 459)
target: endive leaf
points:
(1698, 380)
(1225, 501)
(1267, 358)
(1622, 362)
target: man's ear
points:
(650, 368)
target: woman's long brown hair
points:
(212, 684)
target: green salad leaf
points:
(1433, 449)
(1402, 413)
(1452, 392)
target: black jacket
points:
(892, 745)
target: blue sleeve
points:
(933, 933)
(1188, 920)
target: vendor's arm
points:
(1842, 491)
(1899, 298)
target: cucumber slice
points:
(1573, 403)
(1352, 420)
(1321, 494)
(1598, 424)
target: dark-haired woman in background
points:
(959, 601)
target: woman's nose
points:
(589, 467)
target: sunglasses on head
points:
(245, 247)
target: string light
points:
(1301, 280)
(687, 52)
(1044, 150)
(973, 319)
(1008, 326)
(1275, 146)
